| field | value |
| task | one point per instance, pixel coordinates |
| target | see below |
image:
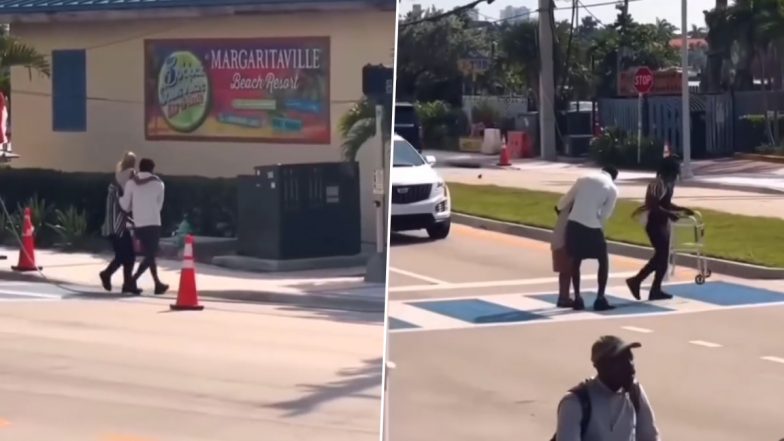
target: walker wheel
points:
(708, 273)
(700, 279)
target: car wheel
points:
(439, 230)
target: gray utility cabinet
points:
(300, 211)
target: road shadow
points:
(354, 383)
(402, 240)
(357, 317)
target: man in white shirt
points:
(593, 199)
(143, 197)
(612, 406)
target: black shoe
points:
(568, 303)
(634, 287)
(601, 304)
(106, 280)
(660, 295)
(161, 289)
(578, 304)
(131, 290)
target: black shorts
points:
(585, 243)
(149, 238)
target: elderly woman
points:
(116, 227)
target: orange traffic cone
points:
(187, 296)
(27, 252)
(503, 160)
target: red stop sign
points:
(643, 80)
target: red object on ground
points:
(187, 295)
(520, 145)
(27, 252)
(503, 159)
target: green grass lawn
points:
(756, 240)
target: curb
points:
(323, 300)
(720, 266)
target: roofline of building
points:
(192, 12)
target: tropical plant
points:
(358, 125)
(13, 53)
(70, 226)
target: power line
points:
(449, 13)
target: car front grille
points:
(409, 194)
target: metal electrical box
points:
(300, 211)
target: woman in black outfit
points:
(661, 211)
(116, 227)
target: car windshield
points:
(404, 155)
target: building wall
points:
(115, 90)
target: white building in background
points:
(515, 14)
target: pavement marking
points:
(495, 283)
(418, 276)
(518, 309)
(706, 344)
(29, 294)
(773, 359)
(636, 329)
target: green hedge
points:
(615, 147)
(210, 204)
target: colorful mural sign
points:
(271, 90)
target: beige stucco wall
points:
(115, 73)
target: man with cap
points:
(612, 406)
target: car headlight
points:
(441, 188)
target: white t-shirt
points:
(594, 197)
(144, 201)
(613, 417)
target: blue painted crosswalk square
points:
(622, 306)
(726, 294)
(477, 311)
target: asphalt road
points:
(130, 370)
(481, 353)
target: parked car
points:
(407, 124)
(420, 197)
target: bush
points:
(210, 204)
(614, 147)
(442, 125)
(486, 114)
(751, 133)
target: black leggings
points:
(149, 237)
(659, 236)
(123, 256)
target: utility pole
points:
(546, 82)
(685, 108)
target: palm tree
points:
(16, 53)
(359, 124)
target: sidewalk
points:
(734, 186)
(336, 288)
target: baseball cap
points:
(609, 346)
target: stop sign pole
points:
(643, 83)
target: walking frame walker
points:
(695, 246)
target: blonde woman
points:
(116, 227)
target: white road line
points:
(29, 294)
(773, 359)
(418, 276)
(706, 344)
(636, 329)
(441, 285)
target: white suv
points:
(420, 198)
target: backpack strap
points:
(634, 396)
(581, 391)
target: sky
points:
(644, 11)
